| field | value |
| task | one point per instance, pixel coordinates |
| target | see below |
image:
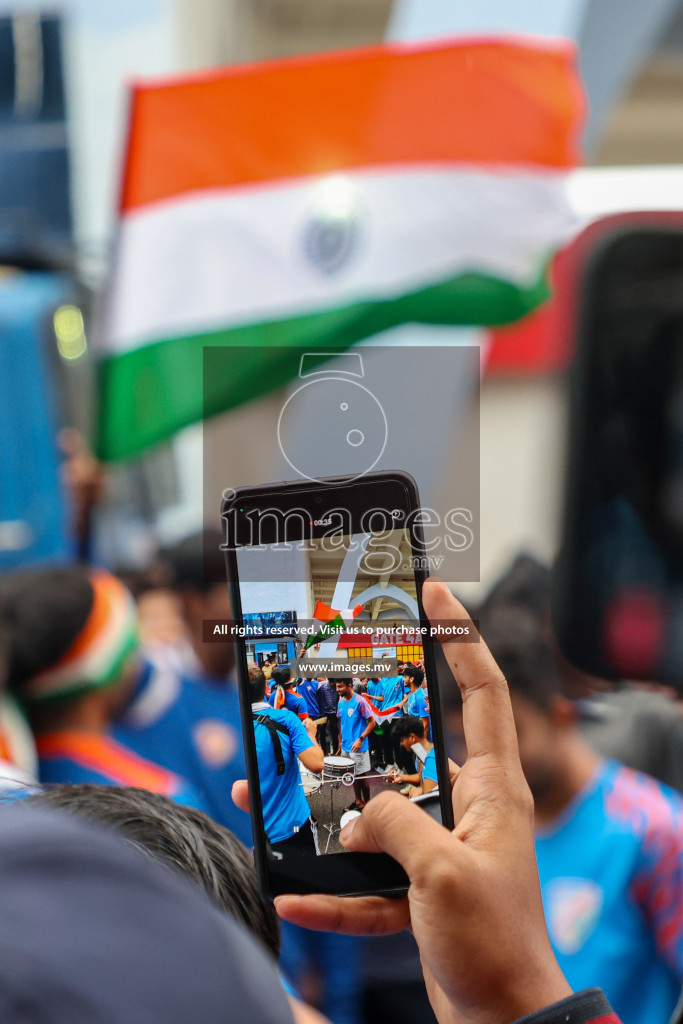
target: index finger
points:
(486, 708)
(357, 915)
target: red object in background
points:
(634, 630)
(544, 342)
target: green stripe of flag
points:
(147, 394)
(331, 628)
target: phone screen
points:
(335, 657)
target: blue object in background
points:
(35, 205)
(33, 513)
(336, 959)
(35, 229)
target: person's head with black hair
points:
(72, 645)
(282, 676)
(414, 676)
(182, 838)
(549, 744)
(43, 612)
(257, 684)
(196, 562)
(526, 584)
(409, 730)
(344, 686)
(518, 643)
(197, 573)
(407, 725)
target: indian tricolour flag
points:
(317, 201)
(333, 622)
(379, 712)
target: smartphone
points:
(325, 582)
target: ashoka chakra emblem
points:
(331, 236)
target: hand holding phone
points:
(474, 902)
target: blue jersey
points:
(393, 693)
(353, 716)
(429, 768)
(375, 688)
(192, 727)
(335, 959)
(611, 871)
(76, 758)
(308, 689)
(293, 702)
(416, 704)
(282, 796)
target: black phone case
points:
(338, 874)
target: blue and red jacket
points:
(76, 757)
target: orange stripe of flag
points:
(106, 591)
(5, 748)
(107, 757)
(323, 612)
(485, 102)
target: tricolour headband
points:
(99, 652)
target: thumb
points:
(391, 824)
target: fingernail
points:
(345, 833)
(437, 581)
(289, 896)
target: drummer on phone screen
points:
(356, 723)
(410, 733)
(282, 740)
(415, 701)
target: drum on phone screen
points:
(337, 769)
(348, 816)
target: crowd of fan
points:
(120, 743)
